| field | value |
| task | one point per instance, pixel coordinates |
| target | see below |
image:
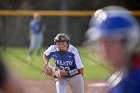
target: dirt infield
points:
(48, 86)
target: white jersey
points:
(67, 61)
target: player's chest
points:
(64, 57)
(64, 60)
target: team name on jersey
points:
(64, 63)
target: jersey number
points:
(64, 68)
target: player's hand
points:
(52, 71)
(57, 72)
(48, 71)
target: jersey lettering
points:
(66, 63)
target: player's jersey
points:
(67, 61)
(35, 26)
(131, 82)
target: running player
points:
(68, 59)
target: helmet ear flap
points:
(68, 42)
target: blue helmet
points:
(114, 22)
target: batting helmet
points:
(61, 37)
(115, 21)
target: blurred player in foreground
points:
(114, 35)
(69, 63)
(9, 82)
(36, 35)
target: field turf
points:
(16, 59)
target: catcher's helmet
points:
(61, 37)
(114, 22)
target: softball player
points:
(68, 59)
(35, 35)
(116, 36)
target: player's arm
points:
(48, 54)
(46, 60)
(72, 72)
(78, 61)
(81, 70)
(30, 31)
(49, 69)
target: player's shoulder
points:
(32, 22)
(72, 49)
(51, 48)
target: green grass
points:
(15, 58)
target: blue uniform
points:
(36, 38)
(130, 82)
(67, 61)
(36, 26)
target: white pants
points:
(76, 83)
(36, 42)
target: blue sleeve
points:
(49, 52)
(50, 55)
